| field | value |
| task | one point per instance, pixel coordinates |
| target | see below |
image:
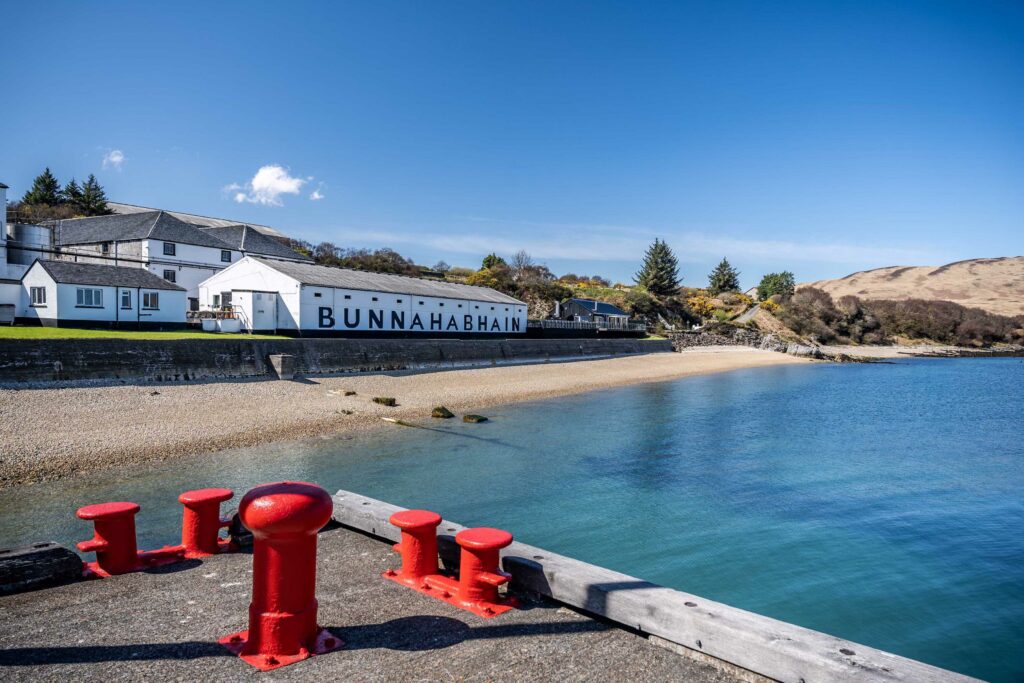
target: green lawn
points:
(71, 333)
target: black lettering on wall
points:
(467, 323)
(435, 321)
(416, 322)
(515, 324)
(351, 325)
(481, 323)
(398, 320)
(452, 325)
(376, 319)
(326, 317)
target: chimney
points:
(558, 309)
(3, 203)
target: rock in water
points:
(474, 418)
(442, 412)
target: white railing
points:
(611, 324)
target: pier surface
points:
(164, 625)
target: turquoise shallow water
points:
(880, 503)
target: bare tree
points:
(521, 263)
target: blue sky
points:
(818, 137)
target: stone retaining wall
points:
(185, 360)
(730, 335)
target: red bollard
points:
(479, 577)
(284, 519)
(113, 540)
(418, 548)
(201, 521)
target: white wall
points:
(188, 262)
(37, 277)
(247, 276)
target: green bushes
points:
(813, 314)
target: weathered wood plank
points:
(771, 648)
(39, 565)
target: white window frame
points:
(173, 275)
(127, 293)
(38, 295)
(88, 297)
(225, 256)
(151, 301)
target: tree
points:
(660, 272)
(45, 190)
(783, 284)
(724, 278)
(441, 267)
(93, 200)
(521, 263)
(492, 260)
(72, 193)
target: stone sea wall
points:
(194, 359)
(730, 335)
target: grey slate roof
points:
(194, 219)
(250, 240)
(599, 307)
(157, 225)
(324, 276)
(69, 272)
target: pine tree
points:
(660, 272)
(72, 193)
(724, 278)
(93, 199)
(492, 260)
(45, 190)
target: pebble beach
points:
(51, 432)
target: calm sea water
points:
(879, 503)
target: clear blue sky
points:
(818, 137)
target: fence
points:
(611, 324)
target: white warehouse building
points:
(311, 300)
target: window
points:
(374, 298)
(89, 298)
(216, 300)
(460, 305)
(348, 296)
(38, 296)
(421, 303)
(105, 248)
(169, 275)
(151, 300)
(169, 248)
(317, 295)
(225, 255)
(126, 299)
(398, 301)
(441, 304)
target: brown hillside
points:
(993, 284)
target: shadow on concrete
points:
(409, 634)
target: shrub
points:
(770, 306)
(782, 284)
(701, 305)
(385, 401)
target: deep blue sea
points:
(881, 503)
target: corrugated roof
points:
(69, 272)
(246, 238)
(343, 278)
(158, 225)
(194, 219)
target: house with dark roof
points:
(589, 310)
(311, 300)
(165, 244)
(69, 294)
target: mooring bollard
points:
(476, 589)
(201, 521)
(418, 547)
(284, 519)
(113, 539)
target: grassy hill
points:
(992, 284)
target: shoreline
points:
(51, 433)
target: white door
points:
(264, 310)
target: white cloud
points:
(113, 159)
(317, 194)
(267, 186)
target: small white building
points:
(311, 300)
(68, 294)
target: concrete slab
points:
(164, 625)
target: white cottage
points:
(312, 300)
(67, 294)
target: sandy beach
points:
(49, 433)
